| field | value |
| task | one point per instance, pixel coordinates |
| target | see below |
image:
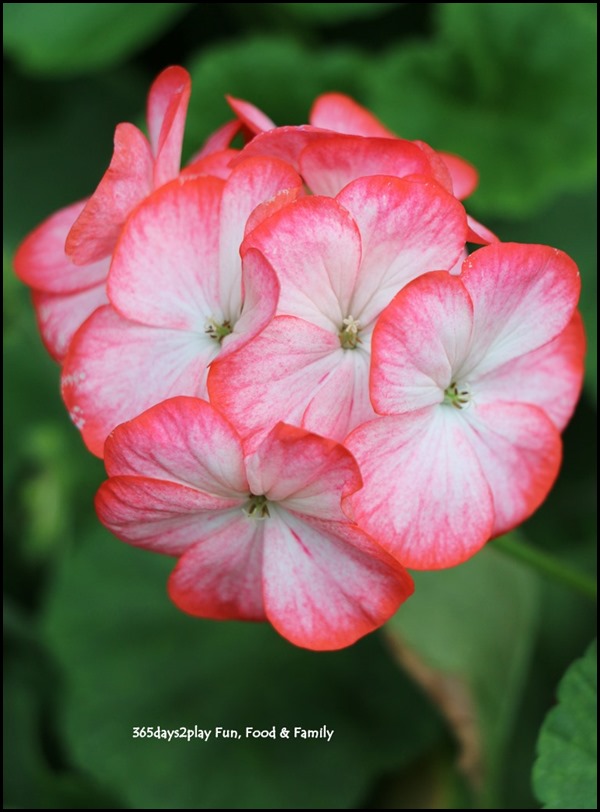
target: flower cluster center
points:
(257, 507)
(349, 333)
(218, 331)
(458, 395)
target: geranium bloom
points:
(259, 536)
(179, 296)
(340, 262)
(476, 375)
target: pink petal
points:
(162, 516)
(303, 472)
(406, 229)
(330, 163)
(251, 183)
(41, 262)
(326, 584)
(439, 170)
(550, 377)
(478, 233)
(126, 182)
(165, 268)
(519, 450)
(420, 339)
(60, 315)
(167, 108)
(221, 576)
(217, 164)
(115, 369)
(260, 297)
(285, 143)
(218, 141)
(182, 440)
(275, 377)
(271, 207)
(340, 113)
(425, 497)
(465, 178)
(250, 116)
(523, 297)
(314, 247)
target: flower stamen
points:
(218, 331)
(257, 507)
(458, 395)
(349, 338)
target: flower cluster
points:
(299, 377)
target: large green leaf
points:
(66, 38)
(564, 775)
(512, 87)
(466, 634)
(131, 659)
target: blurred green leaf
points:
(67, 38)
(466, 635)
(331, 13)
(266, 71)
(511, 87)
(564, 775)
(131, 659)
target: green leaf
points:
(564, 776)
(131, 659)
(466, 635)
(510, 87)
(67, 38)
(331, 13)
(266, 70)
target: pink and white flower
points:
(340, 262)
(476, 376)
(180, 295)
(259, 536)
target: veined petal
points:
(167, 108)
(216, 164)
(330, 163)
(250, 116)
(127, 181)
(425, 497)
(165, 271)
(182, 440)
(285, 143)
(523, 297)
(251, 183)
(325, 583)
(478, 233)
(41, 262)
(406, 229)
(465, 178)
(314, 247)
(162, 516)
(340, 113)
(218, 141)
(418, 341)
(115, 369)
(519, 450)
(303, 472)
(60, 315)
(221, 576)
(274, 377)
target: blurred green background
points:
(443, 707)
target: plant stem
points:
(549, 565)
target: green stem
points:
(549, 565)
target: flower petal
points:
(285, 143)
(465, 178)
(523, 297)
(425, 497)
(116, 369)
(218, 141)
(303, 472)
(60, 315)
(419, 339)
(126, 182)
(167, 108)
(330, 163)
(478, 233)
(250, 116)
(406, 229)
(217, 164)
(221, 577)
(340, 113)
(41, 262)
(162, 516)
(165, 271)
(519, 450)
(325, 583)
(182, 440)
